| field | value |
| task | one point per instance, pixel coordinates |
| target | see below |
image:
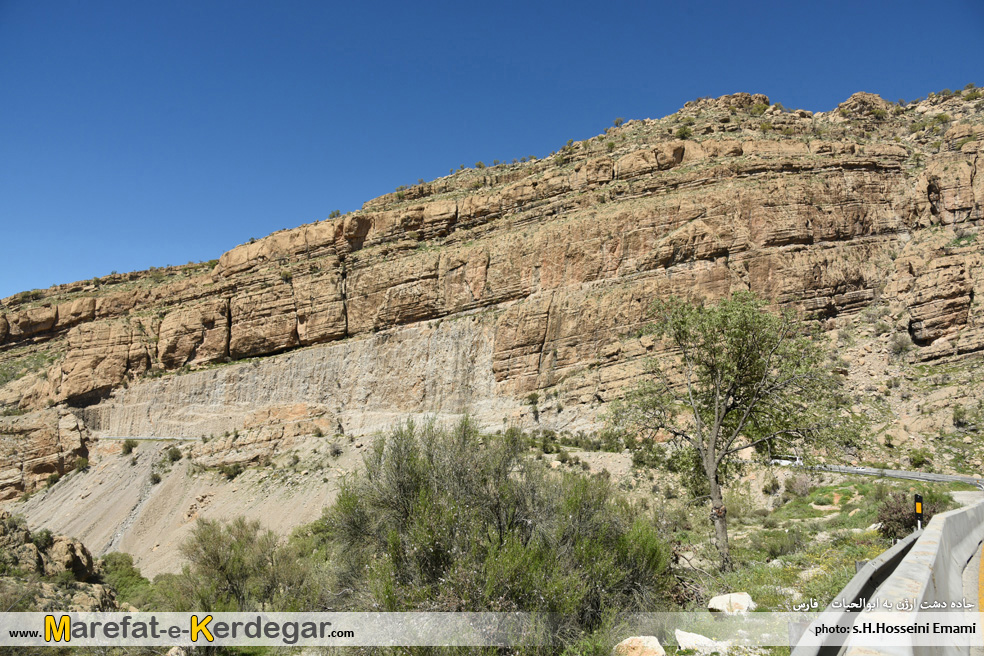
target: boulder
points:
(700, 644)
(639, 646)
(736, 603)
(68, 555)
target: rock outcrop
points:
(38, 446)
(49, 573)
(472, 292)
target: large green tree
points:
(736, 376)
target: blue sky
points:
(139, 134)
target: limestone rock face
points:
(55, 556)
(68, 555)
(102, 354)
(36, 445)
(264, 319)
(196, 335)
(543, 271)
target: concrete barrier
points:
(924, 568)
(862, 586)
(930, 572)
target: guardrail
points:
(900, 473)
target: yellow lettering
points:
(200, 627)
(57, 631)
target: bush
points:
(684, 132)
(155, 478)
(231, 471)
(780, 543)
(919, 458)
(119, 572)
(52, 479)
(335, 450)
(81, 464)
(771, 485)
(42, 539)
(440, 522)
(240, 567)
(128, 446)
(899, 344)
(799, 485)
(897, 514)
(173, 454)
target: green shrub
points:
(240, 566)
(173, 454)
(128, 446)
(919, 458)
(42, 539)
(52, 479)
(684, 132)
(231, 471)
(441, 522)
(119, 572)
(81, 464)
(897, 513)
(758, 109)
(799, 485)
(155, 478)
(780, 543)
(899, 344)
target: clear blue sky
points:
(139, 134)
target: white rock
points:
(699, 643)
(736, 603)
(639, 646)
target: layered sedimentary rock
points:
(37, 446)
(551, 264)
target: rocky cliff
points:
(515, 292)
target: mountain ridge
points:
(547, 265)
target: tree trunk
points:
(719, 516)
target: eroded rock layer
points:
(475, 292)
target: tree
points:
(739, 377)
